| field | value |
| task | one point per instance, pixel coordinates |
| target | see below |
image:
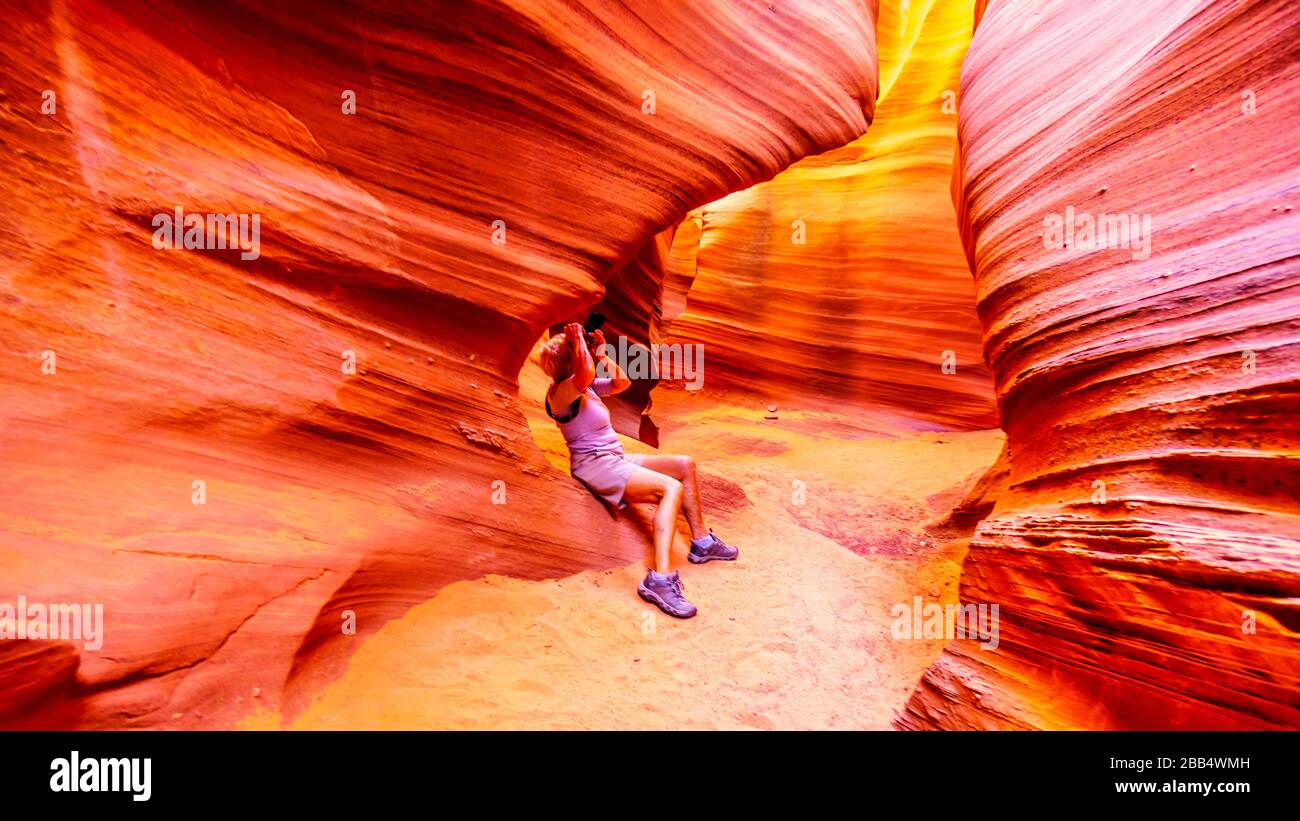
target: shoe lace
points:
(677, 585)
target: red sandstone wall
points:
(329, 492)
(1169, 384)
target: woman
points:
(596, 458)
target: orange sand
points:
(794, 635)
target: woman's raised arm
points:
(584, 370)
(608, 367)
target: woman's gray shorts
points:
(605, 471)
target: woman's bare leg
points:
(646, 485)
(682, 468)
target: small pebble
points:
(1104, 188)
(934, 591)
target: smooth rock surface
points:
(329, 496)
(1146, 551)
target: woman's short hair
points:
(556, 356)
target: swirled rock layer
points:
(1145, 554)
(254, 462)
(843, 278)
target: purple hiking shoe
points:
(666, 593)
(710, 548)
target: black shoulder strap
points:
(569, 417)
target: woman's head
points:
(556, 357)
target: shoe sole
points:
(654, 599)
(693, 559)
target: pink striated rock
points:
(1146, 553)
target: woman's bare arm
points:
(609, 367)
(565, 391)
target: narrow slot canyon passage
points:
(978, 307)
(834, 449)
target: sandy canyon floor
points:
(838, 518)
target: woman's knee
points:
(645, 485)
(672, 492)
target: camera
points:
(595, 320)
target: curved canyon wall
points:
(1145, 553)
(236, 456)
(254, 461)
(844, 278)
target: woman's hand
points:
(573, 333)
(598, 349)
(584, 370)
